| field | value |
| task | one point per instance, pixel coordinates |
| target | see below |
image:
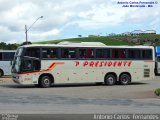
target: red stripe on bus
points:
(53, 65)
(149, 61)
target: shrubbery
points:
(157, 92)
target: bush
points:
(157, 92)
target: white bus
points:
(6, 56)
(44, 65)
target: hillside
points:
(112, 40)
(105, 40)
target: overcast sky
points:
(70, 18)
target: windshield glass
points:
(16, 65)
(19, 51)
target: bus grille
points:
(146, 72)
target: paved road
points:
(79, 98)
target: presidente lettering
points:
(103, 63)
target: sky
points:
(70, 18)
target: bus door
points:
(31, 67)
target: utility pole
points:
(26, 30)
(26, 34)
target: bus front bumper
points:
(16, 78)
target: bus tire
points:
(124, 79)
(1, 73)
(45, 82)
(110, 79)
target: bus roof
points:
(7, 50)
(84, 44)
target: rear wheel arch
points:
(113, 73)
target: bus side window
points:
(147, 54)
(118, 53)
(54, 53)
(86, 53)
(49, 53)
(81, 53)
(68, 53)
(8, 55)
(33, 52)
(0, 56)
(102, 53)
(12, 55)
(134, 53)
(106, 53)
(122, 53)
(46, 53)
(115, 53)
(64, 53)
(99, 53)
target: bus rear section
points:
(52, 64)
(6, 57)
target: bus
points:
(157, 60)
(85, 62)
(6, 56)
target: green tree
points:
(5, 46)
(156, 40)
(26, 43)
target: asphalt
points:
(78, 99)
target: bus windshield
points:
(19, 52)
(16, 65)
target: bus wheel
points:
(45, 81)
(110, 79)
(1, 73)
(124, 79)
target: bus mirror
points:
(11, 62)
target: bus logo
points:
(103, 63)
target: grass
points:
(157, 91)
(105, 40)
(109, 40)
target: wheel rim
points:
(110, 80)
(46, 82)
(125, 79)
